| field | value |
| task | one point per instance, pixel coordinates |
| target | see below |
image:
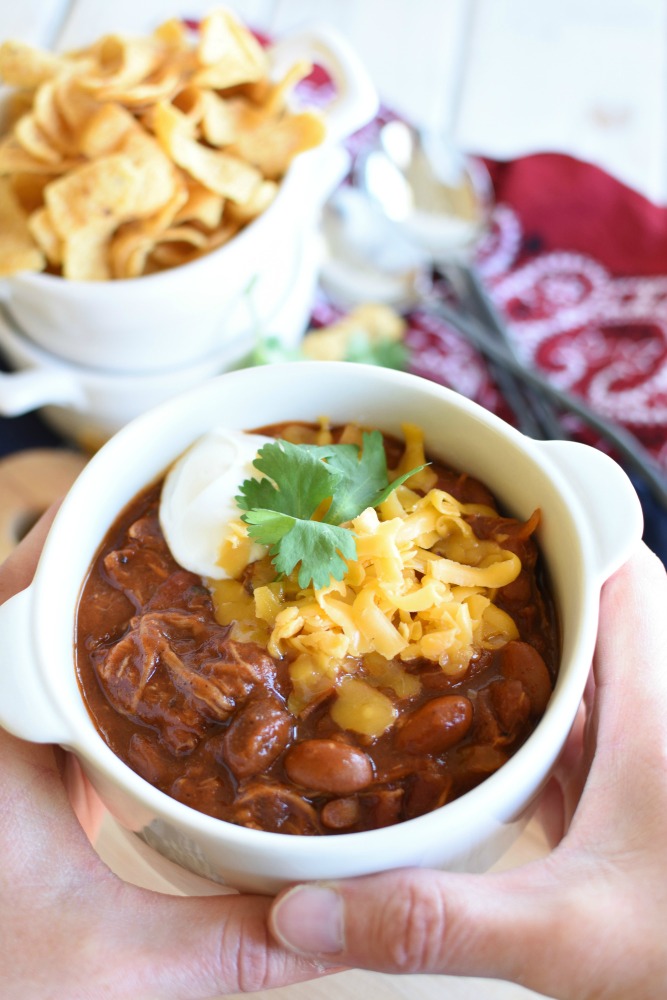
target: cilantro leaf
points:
(269, 350)
(383, 352)
(268, 527)
(364, 480)
(320, 548)
(301, 481)
(298, 479)
(362, 477)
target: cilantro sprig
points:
(306, 495)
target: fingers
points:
(110, 937)
(144, 944)
(93, 935)
(36, 819)
(550, 813)
(563, 792)
(85, 801)
(625, 797)
(16, 573)
(623, 713)
(629, 664)
(633, 625)
(18, 569)
(415, 921)
(230, 950)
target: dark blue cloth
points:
(30, 431)
(655, 521)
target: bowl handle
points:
(21, 392)
(356, 100)
(24, 707)
(615, 519)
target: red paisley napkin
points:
(577, 264)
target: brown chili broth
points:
(137, 600)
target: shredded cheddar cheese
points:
(422, 585)
(400, 598)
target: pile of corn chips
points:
(139, 154)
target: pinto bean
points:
(511, 705)
(256, 737)
(521, 662)
(328, 766)
(436, 725)
(339, 814)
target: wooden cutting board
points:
(30, 481)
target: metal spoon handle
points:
(626, 444)
(542, 410)
(517, 395)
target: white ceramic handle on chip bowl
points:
(608, 497)
(355, 102)
(24, 709)
(21, 392)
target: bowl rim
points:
(251, 231)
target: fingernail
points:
(309, 920)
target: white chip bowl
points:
(591, 521)
(86, 405)
(160, 321)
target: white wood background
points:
(504, 77)
(587, 77)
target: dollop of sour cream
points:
(197, 502)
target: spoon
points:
(441, 201)
(374, 255)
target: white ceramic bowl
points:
(591, 522)
(161, 321)
(87, 405)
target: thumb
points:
(502, 925)
(173, 947)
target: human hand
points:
(588, 920)
(70, 929)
